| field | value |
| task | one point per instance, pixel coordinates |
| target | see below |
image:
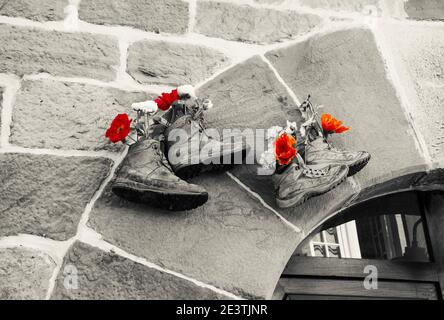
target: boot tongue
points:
(319, 144)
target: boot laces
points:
(162, 161)
(308, 170)
(315, 173)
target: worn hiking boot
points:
(145, 176)
(318, 152)
(299, 182)
(197, 150)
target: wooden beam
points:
(303, 288)
(354, 268)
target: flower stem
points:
(146, 125)
(132, 138)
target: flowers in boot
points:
(285, 149)
(331, 125)
(280, 150)
(119, 129)
(165, 100)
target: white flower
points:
(303, 131)
(186, 90)
(291, 128)
(306, 124)
(145, 107)
(273, 133)
(268, 160)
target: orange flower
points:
(285, 149)
(331, 125)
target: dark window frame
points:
(343, 278)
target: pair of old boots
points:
(147, 176)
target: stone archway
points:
(419, 195)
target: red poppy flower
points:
(332, 125)
(165, 100)
(119, 129)
(285, 149)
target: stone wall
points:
(67, 67)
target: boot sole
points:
(160, 199)
(358, 166)
(193, 170)
(291, 203)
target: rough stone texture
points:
(105, 275)
(42, 10)
(419, 62)
(231, 242)
(170, 16)
(29, 50)
(344, 72)
(360, 6)
(63, 115)
(24, 274)
(248, 96)
(46, 195)
(425, 9)
(309, 214)
(171, 63)
(244, 23)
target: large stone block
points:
(172, 63)
(170, 16)
(46, 195)
(29, 50)
(344, 72)
(63, 115)
(419, 62)
(43, 10)
(232, 242)
(425, 9)
(105, 275)
(248, 96)
(249, 24)
(24, 274)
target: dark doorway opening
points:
(395, 240)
